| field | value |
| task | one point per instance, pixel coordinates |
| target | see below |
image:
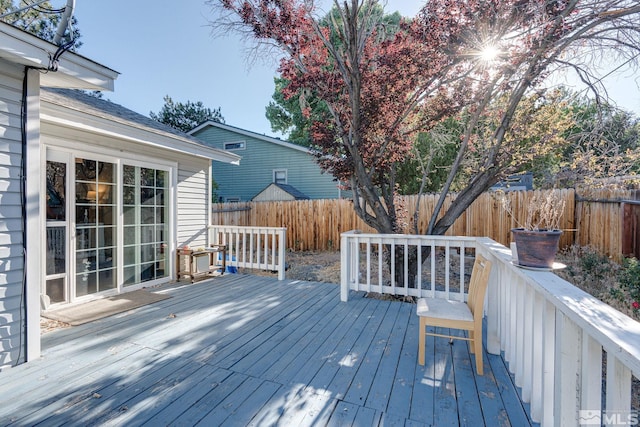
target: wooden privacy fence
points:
(593, 218)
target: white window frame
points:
(133, 159)
(276, 172)
(241, 145)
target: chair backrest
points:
(478, 286)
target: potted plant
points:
(537, 239)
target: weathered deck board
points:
(247, 350)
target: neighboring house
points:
(519, 182)
(265, 160)
(94, 198)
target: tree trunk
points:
(413, 264)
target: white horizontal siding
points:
(12, 344)
(193, 196)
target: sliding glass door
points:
(107, 226)
(96, 222)
(145, 225)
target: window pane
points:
(106, 215)
(147, 253)
(129, 175)
(147, 234)
(108, 236)
(106, 194)
(160, 178)
(130, 255)
(160, 215)
(106, 172)
(129, 195)
(86, 284)
(159, 197)
(56, 250)
(86, 170)
(85, 238)
(55, 290)
(147, 215)
(147, 177)
(56, 191)
(85, 215)
(147, 196)
(85, 261)
(129, 215)
(82, 192)
(147, 272)
(130, 277)
(107, 279)
(106, 258)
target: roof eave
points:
(61, 116)
(249, 133)
(73, 70)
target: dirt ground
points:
(311, 266)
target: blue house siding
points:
(260, 157)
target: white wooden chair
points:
(458, 315)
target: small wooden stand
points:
(186, 262)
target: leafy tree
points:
(604, 142)
(381, 90)
(185, 116)
(427, 167)
(295, 115)
(286, 114)
(41, 20)
(575, 141)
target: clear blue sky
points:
(165, 48)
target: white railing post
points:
(590, 397)
(267, 246)
(282, 246)
(568, 350)
(345, 266)
(618, 387)
(537, 368)
(548, 363)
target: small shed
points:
(278, 192)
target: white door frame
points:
(63, 153)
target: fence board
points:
(592, 218)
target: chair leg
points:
(422, 342)
(471, 342)
(477, 344)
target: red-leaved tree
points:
(381, 87)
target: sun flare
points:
(489, 53)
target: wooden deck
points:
(245, 350)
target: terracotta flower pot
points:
(536, 248)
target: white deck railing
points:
(551, 334)
(261, 248)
